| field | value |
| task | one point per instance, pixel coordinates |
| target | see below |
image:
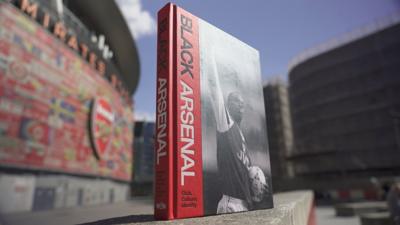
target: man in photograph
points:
(232, 154)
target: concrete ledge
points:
(378, 218)
(359, 208)
(291, 208)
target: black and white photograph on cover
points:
(236, 167)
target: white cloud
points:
(139, 21)
(144, 116)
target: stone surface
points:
(291, 208)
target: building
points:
(144, 158)
(345, 102)
(66, 77)
(280, 133)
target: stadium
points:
(66, 115)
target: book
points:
(211, 150)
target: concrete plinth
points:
(359, 208)
(291, 208)
(379, 218)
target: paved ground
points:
(326, 216)
(141, 207)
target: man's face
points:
(236, 106)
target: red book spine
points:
(189, 179)
(164, 156)
(178, 159)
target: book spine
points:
(164, 156)
(189, 179)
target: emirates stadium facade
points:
(66, 116)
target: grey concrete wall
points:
(19, 193)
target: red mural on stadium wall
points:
(56, 112)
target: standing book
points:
(211, 150)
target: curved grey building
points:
(345, 102)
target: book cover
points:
(211, 151)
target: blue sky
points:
(279, 29)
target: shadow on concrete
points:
(123, 219)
